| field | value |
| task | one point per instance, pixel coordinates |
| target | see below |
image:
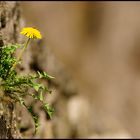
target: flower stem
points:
(21, 53)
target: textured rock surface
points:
(9, 26)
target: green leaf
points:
(48, 109)
(44, 75)
(47, 76)
(35, 118)
(17, 86)
(40, 75)
(41, 96)
(21, 100)
(36, 86)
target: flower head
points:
(31, 33)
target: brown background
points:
(98, 43)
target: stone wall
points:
(9, 28)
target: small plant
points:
(17, 86)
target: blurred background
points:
(98, 46)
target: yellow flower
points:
(31, 32)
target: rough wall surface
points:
(9, 25)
